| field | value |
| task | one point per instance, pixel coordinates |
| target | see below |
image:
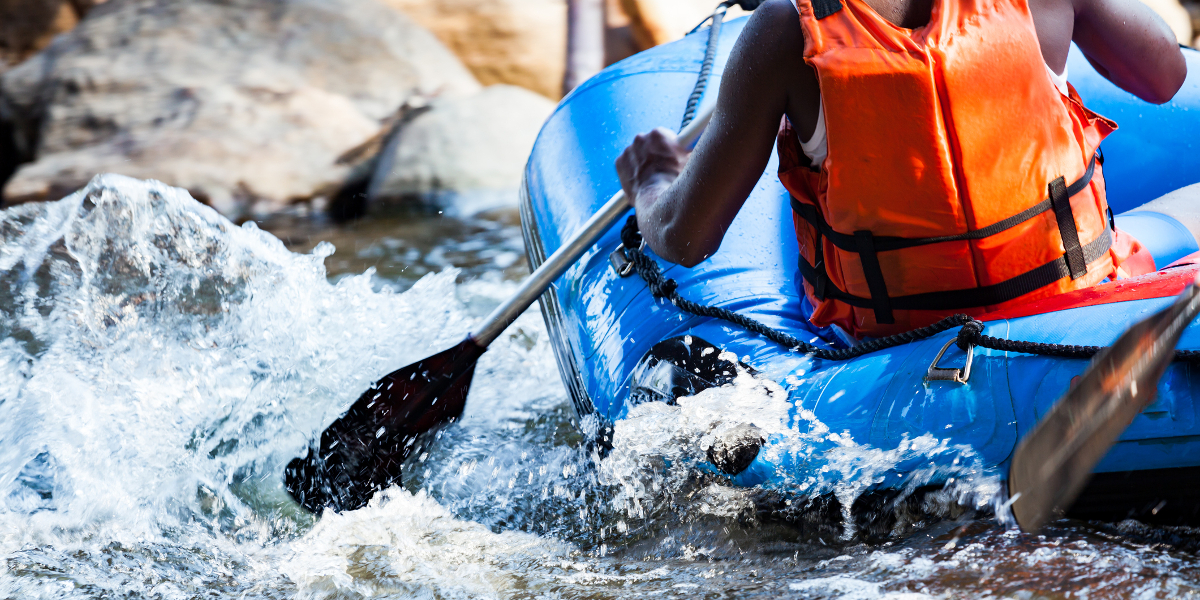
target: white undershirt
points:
(817, 146)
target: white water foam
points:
(408, 546)
(185, 352)
(658, 447)
(159, 365)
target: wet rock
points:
(733, 451)
(1176, 16)
(246, 103)
(465, 144)
(517, 42)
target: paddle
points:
(362, 451)
(1055, 460)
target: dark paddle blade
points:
(362, 452)
(1055, 460)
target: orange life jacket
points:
(958, 178)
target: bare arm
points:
(1125, 41)
(683, 219)
(1132, 46)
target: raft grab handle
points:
(937, 373)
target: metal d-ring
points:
(937, 373)
(620, 261)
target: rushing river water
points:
(159, 366)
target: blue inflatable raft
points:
(610, 334)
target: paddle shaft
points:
(568, 253)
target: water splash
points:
(160, 365)
(409, 546)
(658, 449)
(165, 350)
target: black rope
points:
(710, 53)
(970, 334)
(710, 56)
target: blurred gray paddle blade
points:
(1055, 460)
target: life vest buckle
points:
(937, 373)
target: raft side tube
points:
(602, 324)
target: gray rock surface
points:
(476, 143)
(246, 103)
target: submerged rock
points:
(246, 103)
(475, 143)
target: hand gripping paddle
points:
(1054, 462)
(362, 451)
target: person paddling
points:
(937, 159)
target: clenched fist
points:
(652, 161)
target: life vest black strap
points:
(987, 295)
(823, 276)
(874, 275)
(1061, 202)
(883, 243)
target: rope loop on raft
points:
(969, 334)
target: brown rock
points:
(523, 42)
(656, 22)
(636, 25)
(646, 22)
(518, 42)
(246, 103)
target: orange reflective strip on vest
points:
(957, 179)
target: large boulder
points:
(518, 42)
(475, 144)
(246, 103)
